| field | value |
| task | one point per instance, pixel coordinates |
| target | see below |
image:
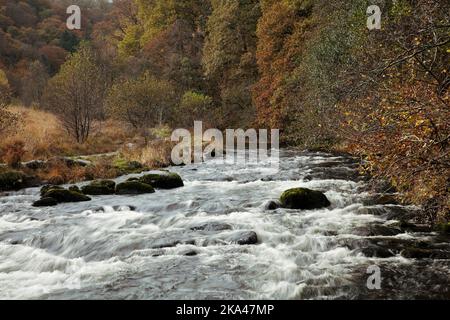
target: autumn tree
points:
(144, 102)
(33, 84)
(229, 58)
(76, 94)
(7, 119)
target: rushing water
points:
(182, 243)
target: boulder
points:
(48, 187)
(45, 202)
(99, 187)
(302, 198)
(15, 180)
(134, 187)
(245, 238)
(63, 195)
(164, 180)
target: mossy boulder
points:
(15, 180)
(100, 187)
(164, 180)
(128, 167)
(45, 202)
(49, 187)
(305, 199)
(63, 195)
(134, 187)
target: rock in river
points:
(99, 187)
(164, 180)
(302, 198)
(134, 187)
(63, 195)
(45, 202)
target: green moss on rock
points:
(134, 187)
(13, 180)
(62, 195)
(99, 187)
(49, 187)
(163, 181)
(305, 199)
(128, 167)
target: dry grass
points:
(44, 137)
(156, 154)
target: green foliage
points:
(229, 57)
(194, 107)
(143, 102)
(77, 92)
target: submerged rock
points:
(134, 187)
(245, 238)
(163, 181)
(212, 226)
(272, 205)
(302, 198)
(376, 252)
(45, 202)
(190, 253)
(420, 253)
(99, 187)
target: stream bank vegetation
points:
(310, 68)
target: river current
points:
(185, 243)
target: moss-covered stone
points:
(45, 202)
(63, 195)
(134, 187)
(128, 167)
(49, 187)
(163, 181)
(99, 187)
(302, 198)
(14, 180)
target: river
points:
(184, 243)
